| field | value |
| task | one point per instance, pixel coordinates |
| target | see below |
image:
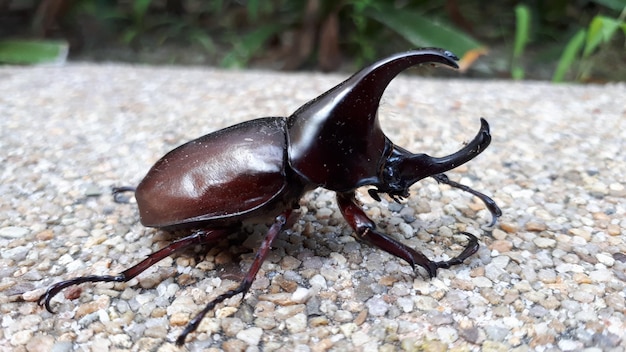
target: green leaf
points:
(601, 29)
(522, 30)
(32, 51)
(422, 31)
(572, 49)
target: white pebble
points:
(251, 336)
(605, 259)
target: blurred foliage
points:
(522, 36)
(585, 43)
(571, 39)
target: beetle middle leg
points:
(246, 283)
(365, 229)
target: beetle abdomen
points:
(215, 177)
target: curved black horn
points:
(344, 121)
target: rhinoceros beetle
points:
(261, 168)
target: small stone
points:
(360, 319)
(614, 230)
(482, 281)
(231, 326)
(265, 323)
(93, 306)
(45, 235)
(508, 227)
(318, 281)
(251, 336)
(360, 338)
(301, 295)
(543, 242)
(496, 333)
(605, 259)
(405, 303)
(40, 343)
(179, 319)
(376, 306)
(318, 321)
(342, 316)
(234, 345)
(601, 275)
(586, 235)
(583, 296)
(225, 312)
(606, 340)
(290, 263)
(569, 345)
(547, 276)
(501, 246)
(432, 346)
(281, 298)
(494, 346)
(542, 340)
(438, 318)
(621, 257)
(447, 334)
(535, 226)
(283, 313)
(296, 323)
(348, 328)
(13, 232)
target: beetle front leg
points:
(491, 205)
(198, 237)
(245, 285)
(365, 229)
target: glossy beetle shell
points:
(219, 177)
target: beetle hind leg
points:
(198, 237)
(366, 231)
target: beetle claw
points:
(470, 248)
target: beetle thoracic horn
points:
(343, 121)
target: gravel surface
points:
(550, 277)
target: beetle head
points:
(403, 168)
(335, 140)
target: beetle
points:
(260, 169)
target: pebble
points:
(296, 323)
(13, 232)
(376, 306)
(251, 336)
(543, 242)
(501, 246)
(605, 259)
(535, 226)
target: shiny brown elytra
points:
(262, 167)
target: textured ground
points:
(551, 276)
